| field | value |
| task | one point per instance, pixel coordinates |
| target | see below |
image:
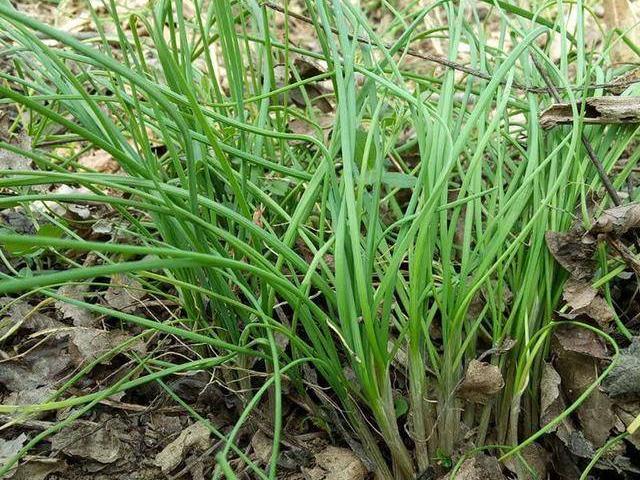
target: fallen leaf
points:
(317, 96)
(195, 436)
(537, 459)
(38, 469)
(80, 316)
(569, 251)
(124, 293)
(575, 250)
(308, 68)
(578, 294)
(32, 377)
(627, 412)
(22, 316)
(579, 445)
(61, 208)
(160, 427)
(197, 469)
(617, 220)
(17, 220)
(481, 381)
(9, 448)
(574, 339)
(262, 446)
(81, 212)
(480, 467)
(598, 110)
(585, 300)
(564, 462)
(103, 227)
(89, 440)
(505, 346)
(551, 400)
(315, 92)
(596, 418)
(190, 386)
(320, 130)
(614, 460)
(578, 353)
(335, 463)
(87, 344)
(100, 161)
(624, 379)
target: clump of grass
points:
(415, 231)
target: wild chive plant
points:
(388, 256)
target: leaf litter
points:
(80, 316)
(335, 463)
(195, 436)
(480, 467)
(89, 440)
(576, 358)
(624, 379)
(579, 355)
(481, 381)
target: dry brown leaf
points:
(575, 250)
(537, 458)
(598, 110)
(316, 92)
(481, 381)
(480, 467)
(624, 379)
(308, 68)
(305, 127)
(618, 14)
(617, 220)
(578, 294)
(551, 400)
(38, 469)
(585, 300)
(578, 353)
(577, 444)
(317, 96)
(262, 446)
(627, 412)
(32, 377)
(89, 440)
(80, 316)
(572, 253)
(334, 463)
(124, 293)
(20, 315)
(552, 404)
(9, 448)
(100, 161)
(573, 339)
(596, 418)
(87, 344)
(195, 436)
